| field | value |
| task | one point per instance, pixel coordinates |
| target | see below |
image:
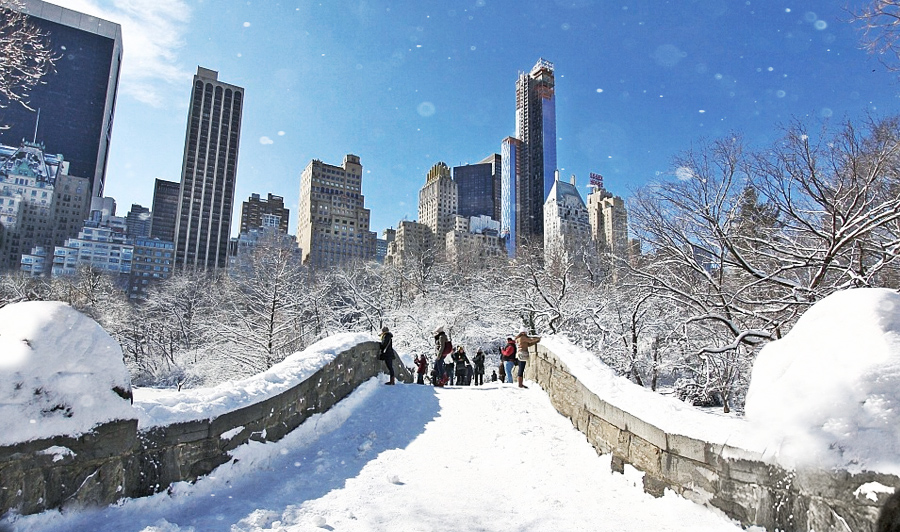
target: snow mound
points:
(828, 393)
(60, 373)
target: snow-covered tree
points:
(26, 55)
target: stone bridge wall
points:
(117, 460)
(738, 482)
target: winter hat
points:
(439, 330)
(523, 330)
(384, 329)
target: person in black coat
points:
(387, 352)
(479, 367)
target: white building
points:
(439, 201)
(609, 222)
(566, 228)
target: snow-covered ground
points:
(408, 457)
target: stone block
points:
(686, 447)
(689, 474)
(645, 456)
(599, 434)
(654, 485)
(645, 431)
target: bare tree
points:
(880, 24)
(26, 54)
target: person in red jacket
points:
(421, 368)
(508, 359)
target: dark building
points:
(166, 195)
(479, 188)
(152, 261)
(209, 170)
(73, 107)
(535, 160)
(137, 222)
(258, 213)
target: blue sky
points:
(407, 84)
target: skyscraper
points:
(567, 231)
(332, 222)
(166, 197)
(479, 187)
(536, 158)
(438, 202)
(203, 225)
(73, 107)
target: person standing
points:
(387, 352)
(478, 360)
(523, 342)
(421, 367)
(461, 361)
(508, 358)
(442, 348)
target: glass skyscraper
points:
(530, 176)
(71, 111)
(479, 188)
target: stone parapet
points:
(117, 460)
(739, 482)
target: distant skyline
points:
(405, 85)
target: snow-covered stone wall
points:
(122, 459)
(715, 461)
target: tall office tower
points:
(567, 230)
(257, 213)
(509, 170)
(479, 187)
(40, 204)
(609, 222)
(333, 223)
(166, 196)
(71, 111)
(137, 222)
(536, 160)
(438, 202)
(203, 224)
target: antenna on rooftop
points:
(36, 122)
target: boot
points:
(390, 381)
(520, 383)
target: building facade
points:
(40, 204)
(71, 110)
(166, 197)
(209, 171)
(439, 202)
(413, 243)
(101, 244)
(153, 261)
(567, 231)
(478, 187)
(509, 172)
(257, 213)
(137, 221)
(609, 222)
(536, 158)
(332, 222)
(475, 238)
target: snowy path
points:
(410, 458)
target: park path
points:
(411, 458)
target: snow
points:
(58, 371)
(409, 457)
(666, 413)
(486, 458)
(828, 393)
(157, 407)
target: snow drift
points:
(828, 393)
(60, 373)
